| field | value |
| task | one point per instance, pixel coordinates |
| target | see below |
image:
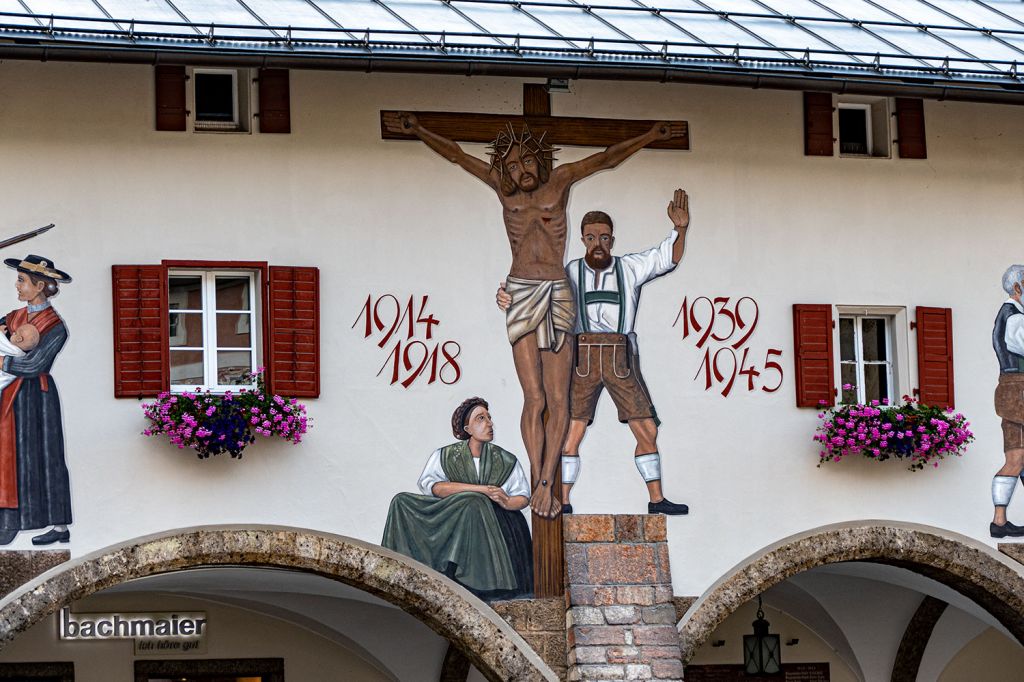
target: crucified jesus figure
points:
(534, 196)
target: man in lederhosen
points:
(607, 292)
(1008, 342)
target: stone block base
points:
(621, 621)
(541, 622)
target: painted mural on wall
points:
(1008, 343)
(540, 319)
(467, 522)
(606, 292)
(35, 490)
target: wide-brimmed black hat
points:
(37, 265)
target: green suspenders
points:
(602, 296)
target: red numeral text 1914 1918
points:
(410, 357)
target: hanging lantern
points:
(762, 653)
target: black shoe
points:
(7, 536)
(669, 508)
(1006, 530)
(567, 509)
(51, 536)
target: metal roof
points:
(952, 47)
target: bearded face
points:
(523, 172)
(598, 239)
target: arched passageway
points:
(990, 579)
(490, 643)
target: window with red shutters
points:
(140, 330)
(910, 128)
(289, 337)
(812, 343)
(935, 356)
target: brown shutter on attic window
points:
(140, 331)
(818, 124)
(935, 356)
(812, 343)
(275, 109)
(294, 331)
(170, 97)
(910, 128)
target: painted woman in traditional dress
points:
(34, 488)
(468, 522)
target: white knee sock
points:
(570, 469)
(1002, 489)
(649, 466)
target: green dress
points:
(466, 536)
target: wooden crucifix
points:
(534, 195)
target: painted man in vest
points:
(1008, 342)
(534, 196)
(607, 292)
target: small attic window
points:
(220, 100)
(864, 127)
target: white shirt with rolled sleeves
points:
(515, 485)
(1015, 330)
(637, 270)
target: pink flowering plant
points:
(213, 423)
(920, 434)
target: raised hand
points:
(669, 130)
(502, 297)
(679, 210)
(400, 122)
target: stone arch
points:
(489, 642)
(992, 580)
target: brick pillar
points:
(621, 622)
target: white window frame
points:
(866, 108)
(209, 312)
(241, 102)
(897, 348)
(877, 118)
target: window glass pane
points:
(233, 368)
(874, 340)
(848, 377)
(186, 330)
(185, 292)
(187, 367)
(234, 330)
(232, 293)
(846, 348)
(215, 97)
(853, 131)
(876, 382)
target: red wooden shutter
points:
(935, 356)
(910, 128)
(275, 108)
(818, 124)
(170, 97)
(812, 343)
(294, 331)
(141, 363)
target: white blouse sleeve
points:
(516, 484)
(432, 473)
(1015, 334)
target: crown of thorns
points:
(524, 141)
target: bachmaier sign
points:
(153, 633)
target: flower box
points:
(920, 434)
(212, 423)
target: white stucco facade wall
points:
(78, 148)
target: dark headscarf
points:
(461, 416)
